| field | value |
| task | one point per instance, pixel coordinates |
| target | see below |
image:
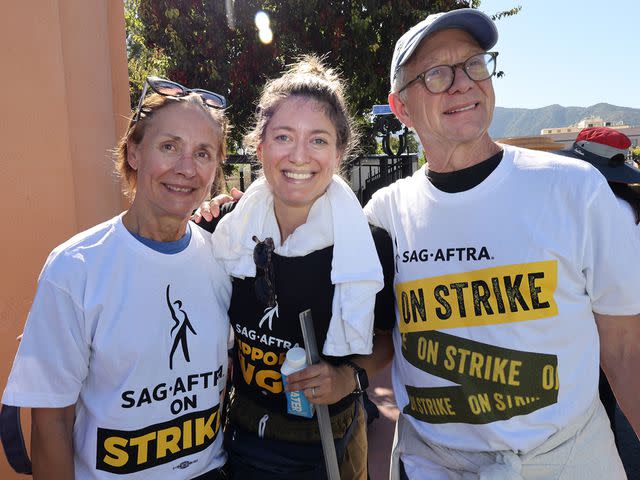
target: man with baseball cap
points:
(606, 149)
(515, 271)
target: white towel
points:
(335, 218)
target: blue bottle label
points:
(297, 403)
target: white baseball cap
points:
(473, 21)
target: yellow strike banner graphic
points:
(490, 296)
(127, 451)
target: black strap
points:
(13, 440)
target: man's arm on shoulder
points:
(620, 360)
(52, 443)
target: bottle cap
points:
(296, 357)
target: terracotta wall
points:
(63, 101)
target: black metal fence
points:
(372, 172)
(366, 174)
(254, 169)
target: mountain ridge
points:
(519, 122)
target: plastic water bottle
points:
(297, 403)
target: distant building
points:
(567, 139)
(591, 121)
(565, 136)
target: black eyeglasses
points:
(168, 88)
(439, 79)
(265, 278)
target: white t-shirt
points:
(628, 210)
(496, 345)
(137, 339)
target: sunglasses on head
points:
(265, 279)
(167, 88)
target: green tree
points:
(192, 42)
(200, 49)
(499, 16)
(142, 60)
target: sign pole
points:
(322, 411)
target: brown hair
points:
(308, 78)
(136, 130)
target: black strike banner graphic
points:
(121, 451)
(495, 383)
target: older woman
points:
(298, 240)
(124, 353)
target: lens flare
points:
(262, 20)
(266, 35)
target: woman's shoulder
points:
(69, 263)
(83, 244)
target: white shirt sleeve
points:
(53, 357)
(377, 208)
(611, 256)
(629, 212)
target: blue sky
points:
(569, 52)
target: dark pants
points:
(608, 400)
(289, 452)
(261, 459)
(251, 457)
